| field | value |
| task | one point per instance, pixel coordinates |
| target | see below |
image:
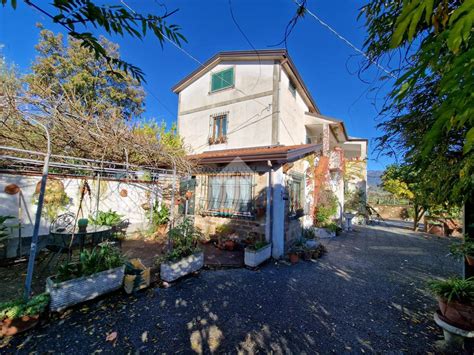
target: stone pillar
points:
(278, 218)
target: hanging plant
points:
(12, 189)
(124, 193)
(55, 198)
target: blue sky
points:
(328, 66)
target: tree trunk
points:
(419, 211)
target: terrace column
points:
(278, 215)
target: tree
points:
(68, 69)
(114, 20)
(430, 110)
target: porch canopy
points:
(279, 154)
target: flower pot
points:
(458, 314)
(229, 245)
(82, 225)
(11, 327)
(173, 270)
(253, 257)
(71, 292)
(470, 260)
(294, 257)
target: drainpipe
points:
(34, 239)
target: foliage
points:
(4, 228)
(454, 289)
(106, 218)
(101, 258)
(308, 233)
(19, 308)
(114, 20)
(462, 249)
(160, 215)
(224, 229)
(259, 245)
(326, 207)
(184, 238)
(333, 227)
(430, 115)
(55, 198)
(69, 69)
(90, 113)
(159, 133)
(355, 201)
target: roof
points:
(278, 153)
(264, 54)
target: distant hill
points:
(374, 178)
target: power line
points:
(345, 40)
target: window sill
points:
(220, 90)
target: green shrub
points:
(184, 238)
(460, 250)
(101, 258)
(333, 227)
(18, 308)
(106, 218)
(160, 215)
(308, 233)
(454, 289)
(326, 207)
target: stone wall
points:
(392, 212)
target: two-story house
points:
(264, 149)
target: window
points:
(230, 195)
(222, 80)
(295, 191)
(292, 88)
(218, 129)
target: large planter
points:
(253, 258)
(71, 292)
(171, 271)
(460, 315)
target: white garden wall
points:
(130, 206)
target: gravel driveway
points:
(366, 295)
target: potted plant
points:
(18, 316)
(257, 252)
(184, 257)
(294, 255)
(97, 272)
(455, 300)
(82, 225)
(464, 250)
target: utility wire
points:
(346, 41)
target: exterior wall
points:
(292, 109)
(244, 227)
(109, 198)
(248, 105)
(293, 225)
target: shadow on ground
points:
(366, 295)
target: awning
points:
(279, 154)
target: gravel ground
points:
(366, 295)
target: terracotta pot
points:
(229, 245)
(123, 193)
(294, 258)
(19, 325)
(470, 260)
(12, 189)
(460, 315)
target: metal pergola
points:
(27, 162)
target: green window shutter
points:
(223, 79)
